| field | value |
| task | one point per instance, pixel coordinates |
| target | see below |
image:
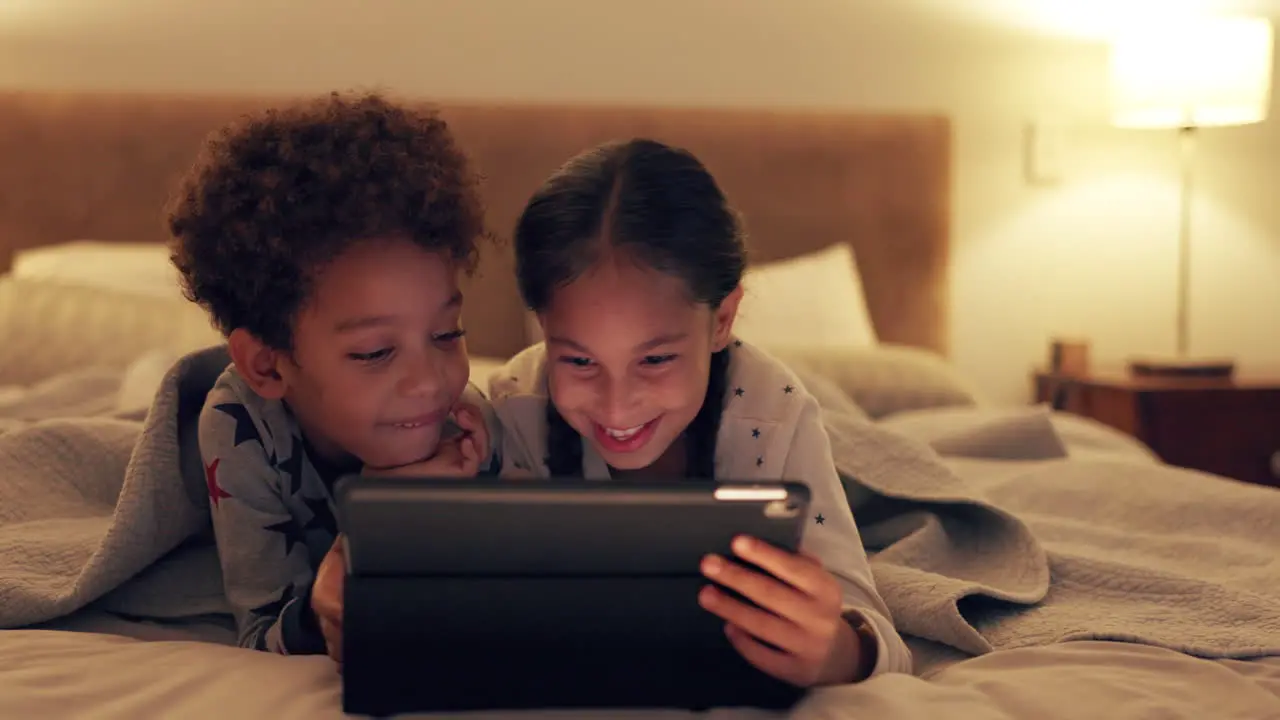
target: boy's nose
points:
(424, 379)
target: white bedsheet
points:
(104, 677)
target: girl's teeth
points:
(623, 434)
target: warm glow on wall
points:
(1097, 20)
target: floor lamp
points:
(1186, 75)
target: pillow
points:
(1019, 431)
(532, 328)
(813, 300)
(48, 327)
(482, 368)
(886, 379)
(136, 268)
(831, 398)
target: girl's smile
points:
(626, 440)
(630, 357)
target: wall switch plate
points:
(1044, 151)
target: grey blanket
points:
(102, 504)
(988, 532)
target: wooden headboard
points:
(101, 166)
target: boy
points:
(326, 240)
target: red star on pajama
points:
(216, 492)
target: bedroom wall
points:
(1090, 256)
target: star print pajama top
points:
(273, 512)
(771, 429)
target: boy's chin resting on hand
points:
(458, 455)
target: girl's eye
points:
(657, 359)
(371, 357)
(452, 336)
(579, 362)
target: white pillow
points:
(813, 300)
(532, 328)
(48, 327)
(482, 368)
(135, 268)
(886, 379)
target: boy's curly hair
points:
(276, 197)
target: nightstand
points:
(1226, 427)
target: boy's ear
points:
(257, 363)
(723, 318)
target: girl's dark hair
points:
(659, 205)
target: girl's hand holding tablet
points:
(799, 614)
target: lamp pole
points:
(1187, 148)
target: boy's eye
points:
(450, 336)
(374, 356)
(657, 359)
(575, 361)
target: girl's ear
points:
(257, 363)
(722, 332)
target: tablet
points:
(558, 527)
(548, 594)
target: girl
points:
(631, 258)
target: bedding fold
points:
(88, 503)
(979, 543)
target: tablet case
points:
(543, 632)
(421, 644)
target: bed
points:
(1042, 566)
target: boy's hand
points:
(326, 599)
(454, 458)
(471, 420)
(458, 456)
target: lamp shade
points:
(1202, 72)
